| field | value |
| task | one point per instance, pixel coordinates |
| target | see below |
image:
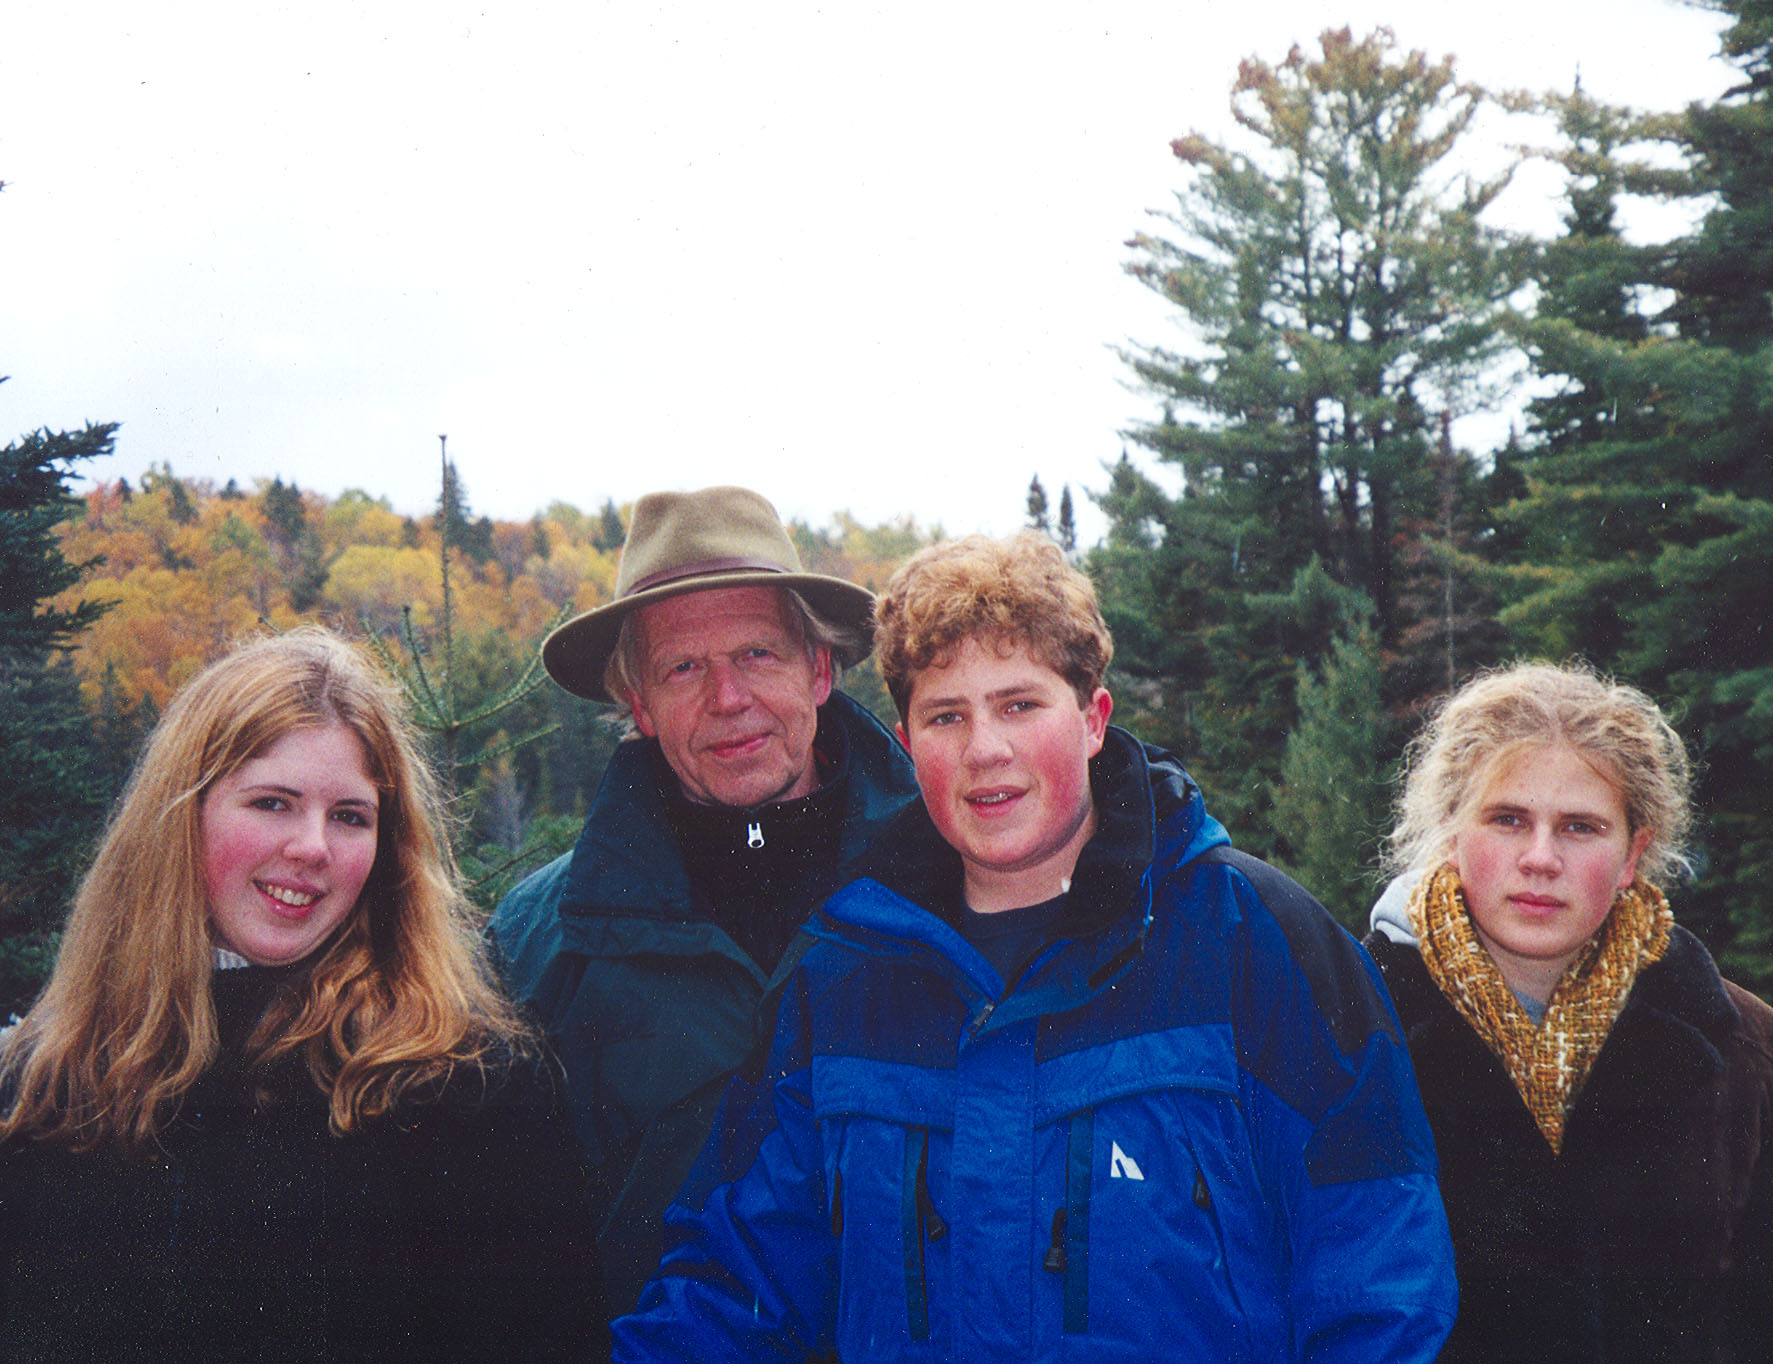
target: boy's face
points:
(1002, 751)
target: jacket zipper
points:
(919, 1222)
(917, 1305)
(1069, 1251)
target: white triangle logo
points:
(1121, 1165)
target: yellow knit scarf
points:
(1549, 1061)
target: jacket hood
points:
(1391, 912)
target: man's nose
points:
(727, 690)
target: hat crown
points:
(677, 535)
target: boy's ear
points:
(904, 739)
(1096, 712)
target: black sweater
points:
(451, 1231)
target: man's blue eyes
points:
(683, 667)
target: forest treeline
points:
(170, 572)
(1300, 554)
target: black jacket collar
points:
(912, 859)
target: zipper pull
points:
(1055, 1260)
(754, 835)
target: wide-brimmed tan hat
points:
(692, 542)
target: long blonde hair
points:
(400, 994)
(1493, 717)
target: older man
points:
(649, 952)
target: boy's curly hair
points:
(1015, 591)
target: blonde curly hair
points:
(1500, 713)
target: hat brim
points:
(576, 654)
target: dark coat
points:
(1647, 1236)
(449, 1232)
(649, 1004)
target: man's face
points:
(731, 694)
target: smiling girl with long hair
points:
(271, 1103)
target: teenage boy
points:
(1064, 1076)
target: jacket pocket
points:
(876, 1131)
(1168, 1224)
(1153, 1214)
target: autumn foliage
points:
(188, 570)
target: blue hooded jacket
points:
(1187, 1130)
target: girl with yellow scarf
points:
(1601, 1099)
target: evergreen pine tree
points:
(610, 532)
(1340, 294)
(463, 694)
(34, 500)
(52, 809)
(299, 550)
(1331, 805)
(53, 798)
(286, 514)
(1067, 532)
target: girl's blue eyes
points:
(1507, 820)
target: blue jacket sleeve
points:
(750, 1270)
(1344, 1144)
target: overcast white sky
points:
(855, 255)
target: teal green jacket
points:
(650, 1006)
